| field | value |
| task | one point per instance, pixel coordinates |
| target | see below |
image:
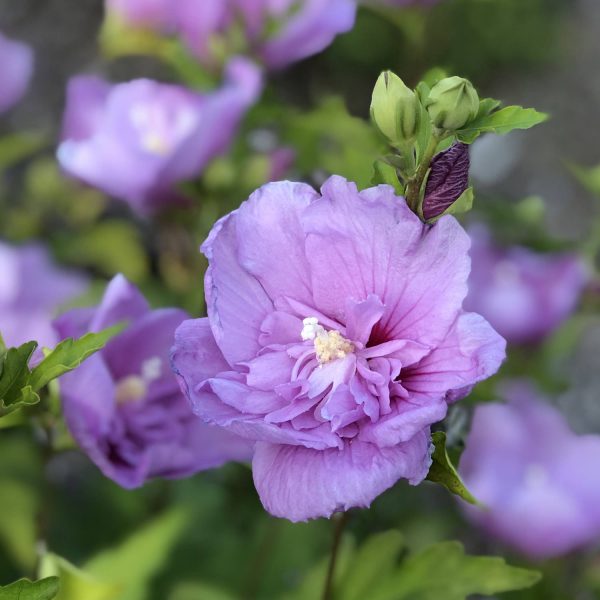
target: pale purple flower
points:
(279, 32)
(16, 69)
(136, 141)
(534, 476)
(32, 288)
(335, 337)
(152, 14)
(525, 295)
(123, 405)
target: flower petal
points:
(298, 484)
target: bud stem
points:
(415, 183)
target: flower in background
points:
(124, 406)
(525, 295)
(136, 141)
(16, 68)
(335, 337)
(532, 474)
(32, 288)
(278, 32)
(152, 14)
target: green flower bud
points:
(452, 103)
(395, 109)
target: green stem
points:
(340, 521)
(413, 188)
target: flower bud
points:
(395, 108)
(448, 179)
(452, 103)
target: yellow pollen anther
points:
(130, 389)
(332, 345)
(155, 144)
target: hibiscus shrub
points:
(270, 329)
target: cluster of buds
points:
(429, 129)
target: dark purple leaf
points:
(448, 179)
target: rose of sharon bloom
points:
(533, 475)
(153, 14)
(16, 68)
(137, 140)
(525, 295)
(32, 288)
(123, 405)
(280, 32)
(335, 337)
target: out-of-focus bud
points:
(452, 103)
(395, 108)
(448, 179)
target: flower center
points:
(329, 345)
(135, 387)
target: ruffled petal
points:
(472, 351)
(298, 484)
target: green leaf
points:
(75, 584)
(442, 470)
(444, 571)
(14, 379)
(501, 122)
(375, 560)
(20, 505)
(45, 589)
(69, 354)
(486, 106)
(588, 177)
(383, 172)
(122, 565)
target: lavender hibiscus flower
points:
(16, 68)
(523, 294)
(123, 405)
(278, 32)
(335, 337)
(532, 473)
(137, 140)
(32, 288)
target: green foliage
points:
(76, 584)
(331, 139)
(15, 391)
(501, 121)
(123, 564)
(19, 385)
(442, 470)
(442, 570)
(199, 591)
(69, 354)
(445, 571)
(383, 172)
(111, 246)
(45, 589)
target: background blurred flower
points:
(525, 295)
(124, 406)
(137, 140)
(279, 33)
(154, 14)
(32, 288)
(339, 339)
(533, 475)
(16, 68)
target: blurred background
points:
(208, 536)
